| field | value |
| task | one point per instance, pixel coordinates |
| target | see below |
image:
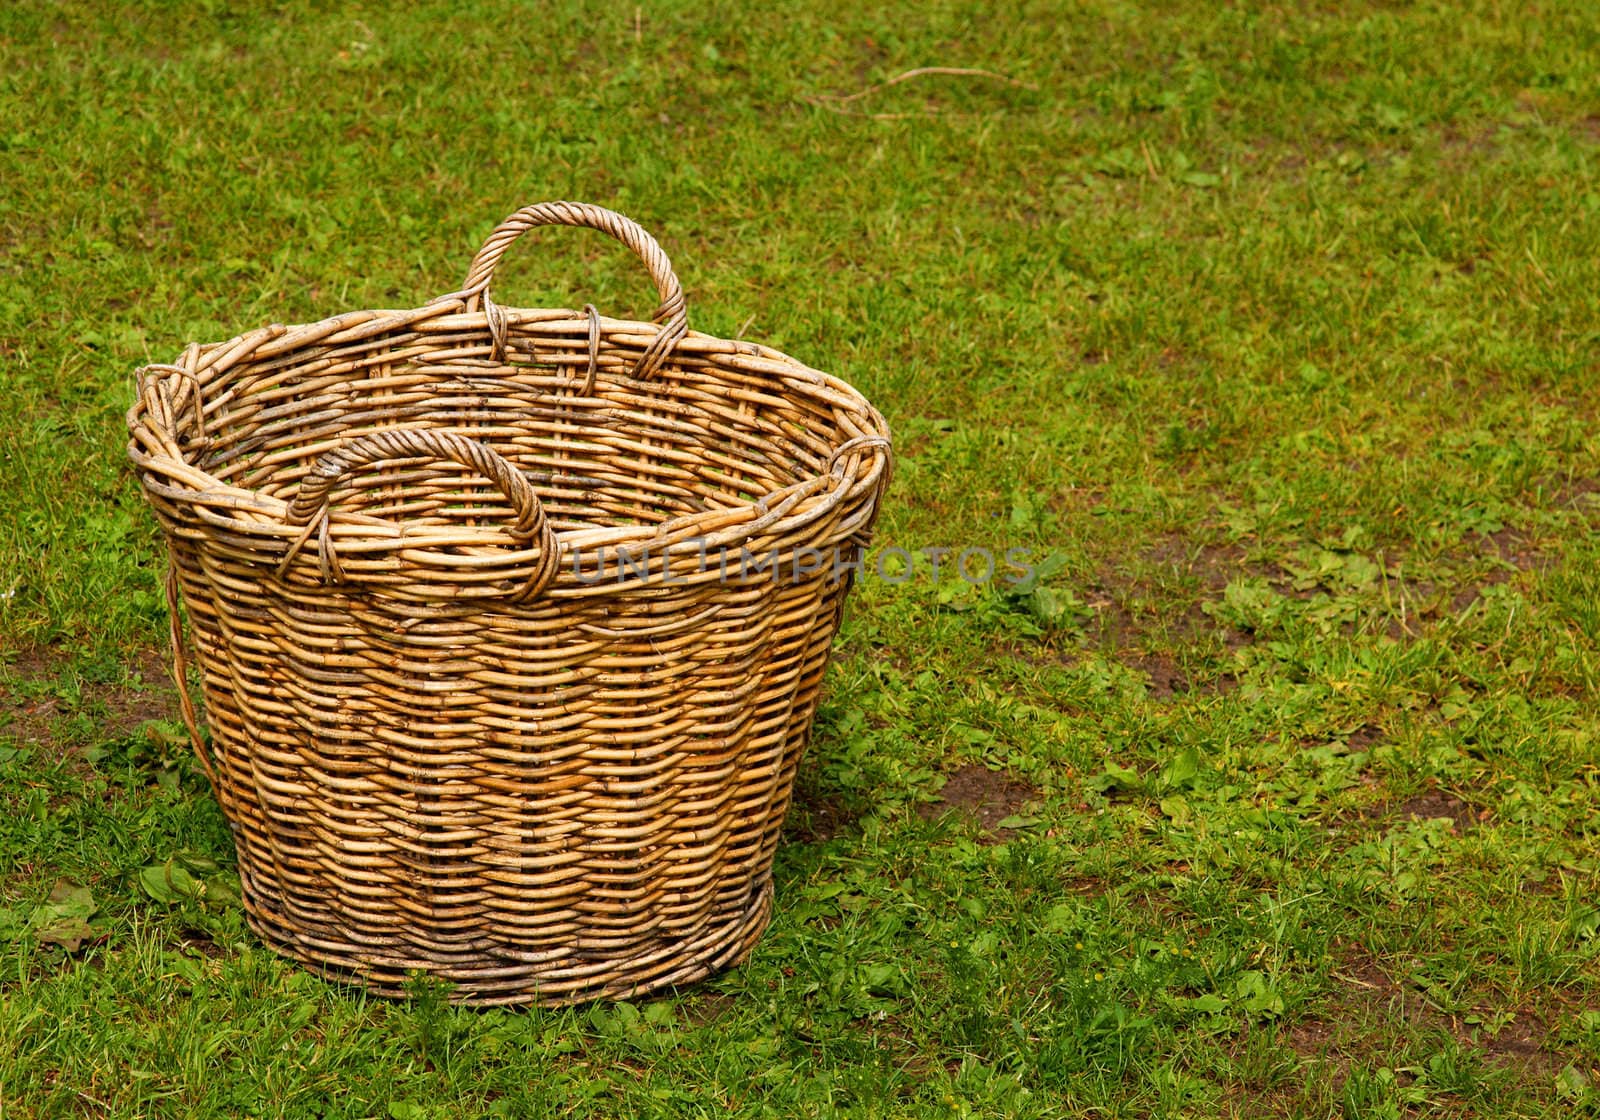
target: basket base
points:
(488, 975)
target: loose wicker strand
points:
(180, 673)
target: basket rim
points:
(164, 468)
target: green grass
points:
(1276, 326)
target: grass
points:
(1274, 327)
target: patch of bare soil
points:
(1435, 805)
(1362, 737)
(1136, 610)
(1579, 494)
(1466, 147)
(1214, 566)
(1429, 805)
(704, 1008)
(1517, 552)
(31, 716)
(816, 818)
(1166, 679)
(199, 942)
(1311, 1038)
(1373, 1009)
(984, 796)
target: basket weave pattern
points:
(502, 680)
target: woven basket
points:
(510, 625)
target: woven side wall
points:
(512, 800)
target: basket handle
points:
(671, 314)
(404, 443)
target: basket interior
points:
(710, 431)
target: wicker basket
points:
(510, 625)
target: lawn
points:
(1269, 333)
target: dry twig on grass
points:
(836, 101)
